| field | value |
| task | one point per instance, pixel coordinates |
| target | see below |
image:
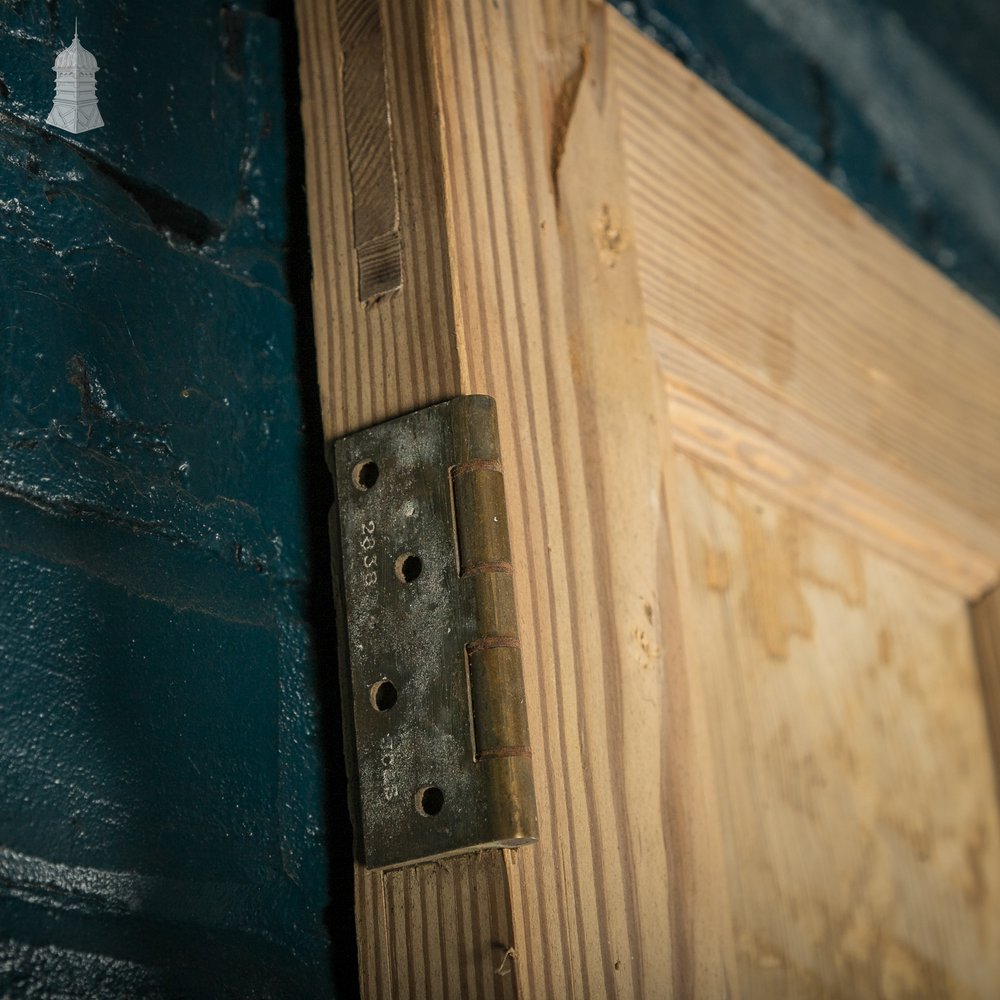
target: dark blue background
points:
(166, 643)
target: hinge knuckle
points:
(501, 723)
(480, 520)
(492, 597)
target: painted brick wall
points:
(165, 635)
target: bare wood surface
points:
(862, 832)
(813, 479)
(755, 269)
(384, 356)
(519, 278)
(552, 322)
(378, 358)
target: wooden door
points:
(753, 486)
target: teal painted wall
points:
(166, 648)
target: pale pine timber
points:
(376, 359)
(505, 204)
(765, 286)
(833, 482)
(857, 790)
(391, 354)
(622, 896)
(519, 278)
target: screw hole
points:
(383, 695)
(429, 800)
(365, 475)
(408, 567)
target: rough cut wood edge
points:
(985, 616)
(519, 279)
(755, 263)
(814, 482)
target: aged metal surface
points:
(442, 752)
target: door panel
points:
(852, 760)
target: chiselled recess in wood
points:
(374, 192)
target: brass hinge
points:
(441, 754)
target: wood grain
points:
(814, 481)
(377, 359)
(551, 322)
(751, 263)
(384, 357)
(520, 280)
(686, 848)
(862, 835)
